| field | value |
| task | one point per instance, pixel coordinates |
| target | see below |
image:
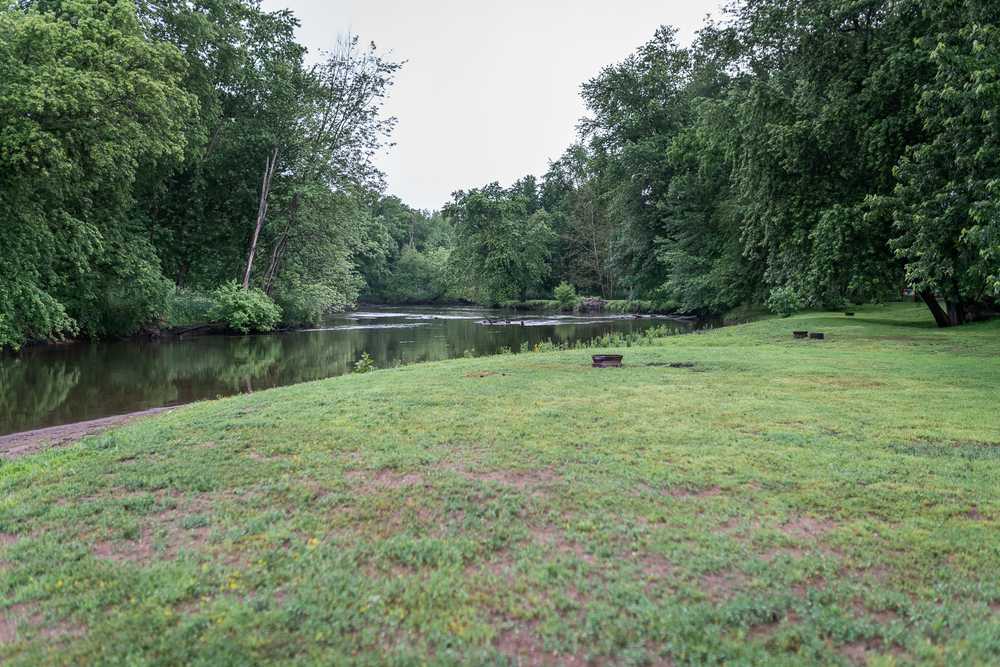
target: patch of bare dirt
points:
(21, 444)
(162, 534)
(15, 619)
(794, 553)
(807, 527)
(880, 616)
(502, 565)
(9, 619)
(555, 539)
(518, 479)
(655, 566)
(484, 374)
(683, 492)
(813, 584)
(860, 652)
(377, 480)
(657, 570)
(737, 526)
(527, 649)
(764, 631)
(722, 585)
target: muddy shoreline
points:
(16, 445)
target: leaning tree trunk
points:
(956, 312)
(280, 245)
(940, 316)
(265, 192)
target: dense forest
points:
(182, 161)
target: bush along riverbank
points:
(739, 496)
(591, 304)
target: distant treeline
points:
(165, 162)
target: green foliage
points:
(186, 307)
(405, 256)
(635, 306)
(565, 294)
(29, 313)
(502, 243)
(88, 104)
(244, 310)
(307, 304)
(419, 277)
(365, 364)
(784, 301)
(945, 205)
(831, 149)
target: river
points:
(54, 385)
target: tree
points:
(340, 130)
(500, 248)
(88, 104)
(827, 109)
(246, 70)
(946, 205)
(636, 107)
(576, 196)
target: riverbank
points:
(51, 386)
(16, 445)
(733, 496)
(592, 305)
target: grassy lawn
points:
(760, 501)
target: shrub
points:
(187, 306)
(365, 364)
(784, 301)
(244, 310)
(28, 313)
(308, 304)
(566, 295)
(626, 306)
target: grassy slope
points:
(781, 502)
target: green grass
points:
(778, 502)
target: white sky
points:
(490, 91)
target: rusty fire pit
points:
(607, 360)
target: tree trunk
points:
(265, 192)
(280, 245)
(956, 312)
(941, 317)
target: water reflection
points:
(54, 385)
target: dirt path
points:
(27, 442)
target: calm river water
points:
(61, 384)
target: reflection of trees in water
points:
(72, 383)
(29, 392)
(246, 360)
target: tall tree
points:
(88, 104)
(946, 205)
(500, 248)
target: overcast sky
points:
(490, 91)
